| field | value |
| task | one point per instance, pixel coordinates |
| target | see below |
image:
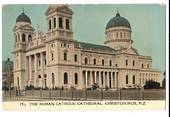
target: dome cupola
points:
(118, 21)
(23, 18)
(118, 33)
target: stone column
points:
(94, 76)
(91, 79)
(104, 79)
(35, 68)
(100, 80)
(86, 79)
(111, 78)
(20, 36)
(27, 70)
(102, 76)
(30, 70)
(115, 79)
(108, 79)
(42, 69)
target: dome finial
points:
(23, 10)
(117, 14)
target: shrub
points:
(163, 83)
(30, 87)
(106, 87)
(72, 88)
(62, 88)
(46, 88)
(152, 85)
(95, 86)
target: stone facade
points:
(55, 59)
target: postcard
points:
(91, 56)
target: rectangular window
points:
(76, 78)
(49, 24)
(65, 56)
(75, 58)
(54, 22)
(126, 62)
(39, 63)
(133, 79)
(45, 62)
(126, 79)
(52, 56)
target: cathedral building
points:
(54, 59)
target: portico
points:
(102, 78)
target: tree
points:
(95, 86)
(164, 81)
(152, 85)
(163, 84)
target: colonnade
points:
(35, 69)
(102, 78)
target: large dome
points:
(118, 21)
(23, 18)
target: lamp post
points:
(9, 76)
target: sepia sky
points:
(89, 23)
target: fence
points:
(155, 94)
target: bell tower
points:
(23, 32)
(59, 22)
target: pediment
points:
(132, 51)
(59, 8)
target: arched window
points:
(127, 79)
(54, 21)
(133, 63)
(94, 61)
(147, 65)
(45, 62)
(86, 61)
(110, 62)
(103, 62)
(39, 76)
(49, 23)
(120, 34)
(142, 65)
(23, 37)
(124, 35)
(29, 38)
(52, 56)
(116, 34)
(76, 78)
(60, 22)
(126, 62)
(102, 78)
(67, 24)
(65, 78)
(75, 58)
(65, 56)
(53, 80)
(133, 79)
